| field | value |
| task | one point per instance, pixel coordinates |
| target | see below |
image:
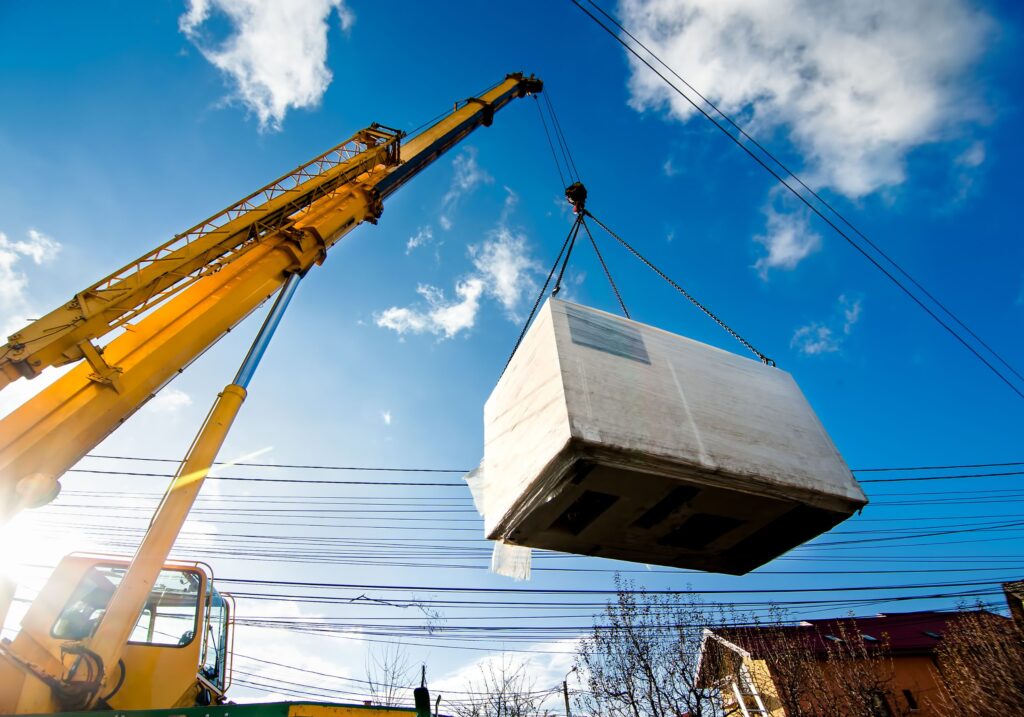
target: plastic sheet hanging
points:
(511, 561)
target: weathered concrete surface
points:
(609, 437)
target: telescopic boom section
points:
(179, 299)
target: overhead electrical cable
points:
(811, 191)
(298, 466)
(810, 205)
(385, 469)
(271, 480)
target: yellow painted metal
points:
(122, 613)
(65, 334)
(82, 410)
(182, 306)
(315, 710)
(33, 662)
(84, 406)
(159, 675)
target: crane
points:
(145, 633)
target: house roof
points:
(905, 633)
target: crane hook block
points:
(576, 193)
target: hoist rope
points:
(543, 289)
(574, 173)
(764, 165)
(554, 154)
(607, 273)
(764, 359)
(570, 242)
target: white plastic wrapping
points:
(512, 561)
(608, 437)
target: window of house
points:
(911, 700)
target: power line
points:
(246, 464)
(850, 240)
(813, 193)
(384, 469)
(273, 480)
(585, 591)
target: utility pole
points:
(565, 693)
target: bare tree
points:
(981, 665)
(641, 658)
(793, 678)
(859, 672)
(389, 675)
(504, 689)
(810, 674)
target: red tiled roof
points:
(907, 632)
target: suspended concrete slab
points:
(611, 438)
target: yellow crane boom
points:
(89, 640)
(177, 300)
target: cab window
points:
(215, 648)
(168, 617)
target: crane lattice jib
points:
(137, 287)
(180, 306)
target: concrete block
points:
(608, 437)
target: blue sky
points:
(124, 123)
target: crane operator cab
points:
(178, 653)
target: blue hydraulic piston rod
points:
(259, 345)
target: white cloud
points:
(276, 54)
(827, 337)
(968, 163)
(15, 303)
(386, 417)
(312, 661)
(169, 400)
(504, 263)
(973, 156)
(669, 168)
(544, 669)
(422, 236)
(502, 270)
(851, 313)
(814, 339)
(856, 85)
(468, 175)
(788, 238)
(440, 317)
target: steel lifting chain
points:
(764, 359)
(607, 273)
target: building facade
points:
(884, 666)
